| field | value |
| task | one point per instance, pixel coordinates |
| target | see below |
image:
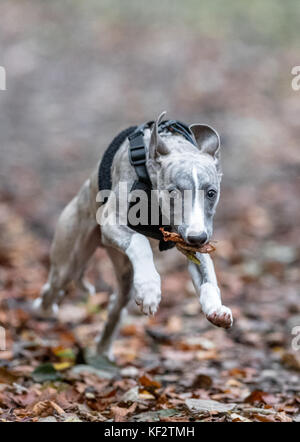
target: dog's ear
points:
(157, 146)
(207, 138)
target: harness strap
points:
(138, 156)
(137, 149)
(178, 127)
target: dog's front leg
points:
(146, 283)
(146, 280)
(206, 286)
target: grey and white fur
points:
(175, 164)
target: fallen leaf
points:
(45, 408)
(238, 418)
(121, 412)
(258, 396)
(202, 381)
(60, 366)
(45, 372)
(203, 355)
(57, 408)
(130, 372)
(291, 359)
(246, 373)
(102, 363)
(208, 406)
(148, 382)
(64, 353)
(102, 374)
(131, 395)
(6, 377)
(146, 395)
(154, 416)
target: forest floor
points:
(76, 77)
(170, 367)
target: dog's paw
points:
(221, 317)
(104, 352)
(42, 312)
(148, 305)
(148, 299)
(86, 287)
(148, 294)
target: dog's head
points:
(191, 175)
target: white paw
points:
(148, 296)
(86, 287)
(39, 310)
(103, 350)
(221, 317)
(108, 354)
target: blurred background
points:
(79, 72)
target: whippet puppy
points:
(173, 163)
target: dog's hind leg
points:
(76, 238)
(118, 301)
(85, 286)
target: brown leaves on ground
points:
(227, 79)
(174, 367)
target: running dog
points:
(176, 160)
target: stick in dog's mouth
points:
(187, 250)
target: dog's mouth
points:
(194, 239)
(183, 246)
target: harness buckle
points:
(137, 157)
(137, 150)
(135, 134)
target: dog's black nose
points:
(195, 238)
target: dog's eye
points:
(211, 194)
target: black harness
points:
(138, 157)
